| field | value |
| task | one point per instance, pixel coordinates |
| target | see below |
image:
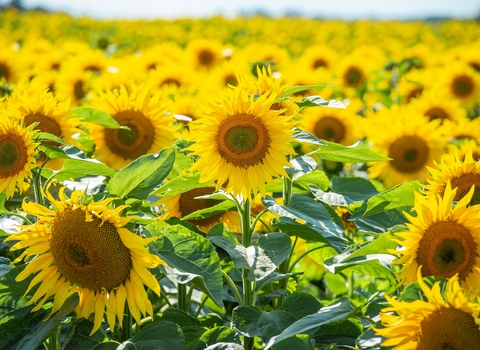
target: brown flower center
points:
(409, 154)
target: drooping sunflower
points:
(461, 172)
(241, 142)
(17, 154)
(443, 238)
(448, 321)
(410, 139)
(81, 246)
(181, 205)
(151, 128)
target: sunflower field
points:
(248, 183)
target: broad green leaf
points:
(353, 189)
(259, 263)
(217, 335)
(378, 246)
(163, 335)
(277, 245)
(237, 252)
(144, 172)
(335, 283)
(36, 335)
(93, 115)
(52, 152)
(356, 153)
(180, 317)
(192, 335)
(273, 277)
(81, 338)
(310, 233)
(244, 320)
(344, 334)
(299, 88)
(273, 323)
(76, 168)
(380, 222)
(336, 312)
(301, 165)
(5, 266)
(225, 346)
(181, 184)
(297, 342)
(108, 345)
(400, 196)
(210, 211)
(305, 137)
(316, 178)
(190, 257)
(301, 304)
(317, 101)
(369, 340)
(45, 136)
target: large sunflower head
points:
(151, 127)
(241, 142)
(410, 139)
(441, 322)
(461, 172)
(81, 246)
(17, 154)
(462, 82)
(443, 238)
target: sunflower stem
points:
(292, 266)
(53, 342)
(37, 187)
(248, 297)
(127, 329)
(182, 303)
(234, 287)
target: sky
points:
(339, 9)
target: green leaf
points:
(244, 320)
(297, 342)
(380, 222)
(181, 184)
(210, 211)
(344, 334)
(109, 345)
(163, 335)
(143, 172)
(273, 277)
(81, 338)
(310, 233)
(273, 323)
(305, 137)
(316, 178)
(301, 304)
(369, 340)
(317, 101)
(225, 346)
(52, 152)
(301, 165)
(190, 257)
(345, 191)
(217, 335)
(299, 88)
(36, 335)
(356, 153)
(277, 245)
(336, 312)
(93, 115)
(180, 317)
(45, 136)
(259, 263)
(378, 246)
(76, 168)
(400, 196)
(192, 335)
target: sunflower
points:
(204, 53)
(81, 246)
(74, 85)
(461, 172)
(241, 142)
(462, 129)
(151, 128)
(17, 154)
(435, 105)
(449, 321)
(408, 138)
(181, 205)
(317, 57)
(461, 82)
(443, 238)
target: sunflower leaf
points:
(146, 171)
(210, 211)
(76, 168)
(45, 136)
(299, 88)
(317, 101)
(357, 153)
(163, 335)
(180, 184)
(93, 115)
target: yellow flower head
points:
(83, 247)
(241, 143)
(17, 154)
(151, 128)
(443, 238)
(440, 322)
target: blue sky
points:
(342, 9)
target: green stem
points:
(53, 341)
(234, 287)
(259, 218)
(292, 266)
(204, 300)
(182, 303)
(19, 216)
(127, 328)
(285, 265)
(37, 187)
(350, 285)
